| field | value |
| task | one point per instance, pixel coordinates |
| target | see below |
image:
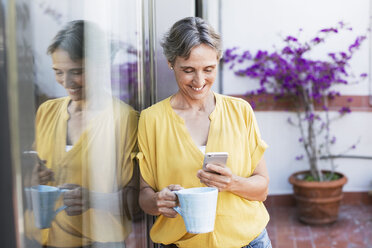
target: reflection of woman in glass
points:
(87, 143)
(175, 133)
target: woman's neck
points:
(76, 106)
(180, 102)
(92, 105)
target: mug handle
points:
(177, 209)
(64, 206)
(60, 209)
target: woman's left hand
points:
(254, 187)
(222, 178)
(76, 199)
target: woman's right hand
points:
(76, 199)
(166, 200)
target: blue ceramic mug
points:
(197, 208)
(43, 199)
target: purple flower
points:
(260, 55)
(253, 104)
(229, 52)
(356, 43)
(341, 81)
(261, 90)
(290, 38)
(247, 55)
(332, 55)
(310, 117)
(344, 55)
(291, 75)
(317, 40)
(363, 75)
(300, 157)
(329, 30)
(344, 110)
(287, 50)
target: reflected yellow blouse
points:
(168, 155)
(100, 161)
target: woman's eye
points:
(208, 70)
(58, 73)
(76, 72)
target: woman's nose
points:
(199, 79)
(66, 80)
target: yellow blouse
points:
(168, 155)
(100, 161)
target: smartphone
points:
(32, 155)
(219, 158)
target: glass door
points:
(75, 75)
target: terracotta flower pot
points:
(317, 202)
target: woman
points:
(174, 134)
(86, 144)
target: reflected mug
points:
(197, 208)
(43, 199)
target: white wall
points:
(284, 146)
(257, 25)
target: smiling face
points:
(195, 75)
(69, 74)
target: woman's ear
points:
(219, 59)
(170, 65)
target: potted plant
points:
(290, 75)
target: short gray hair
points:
(187, 33)
(71, 39)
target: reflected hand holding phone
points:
(40, 174)
(41, 198)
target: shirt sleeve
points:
(40, 113)
(146, 154)
(256, 144)
(128, 147)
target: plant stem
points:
(327, 142)
(312, 144)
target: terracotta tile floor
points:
(352, 230)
